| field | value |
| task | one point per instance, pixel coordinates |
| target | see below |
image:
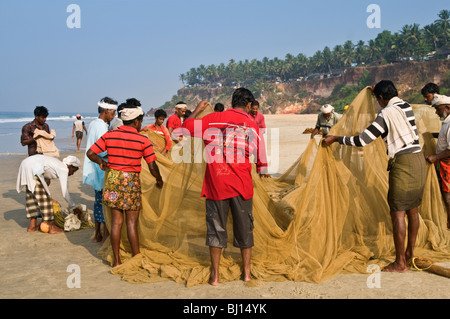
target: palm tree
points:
(327, 57)
(432, 34)
(444, 24)
(348, 53)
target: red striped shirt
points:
(125, 148)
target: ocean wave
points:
(65, 118)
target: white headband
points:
(440, 100)
(326, 109)
(72, 160)
(107, 106)
(181, 106)
(128, 114)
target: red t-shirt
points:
(174, 122)
(230, 137)
(125, 147)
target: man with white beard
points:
(442, 158)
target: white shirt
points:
(92, 173)
(43, 167)
(443, 142)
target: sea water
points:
(11, 124)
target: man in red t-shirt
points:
(174, 121)
(231, 138)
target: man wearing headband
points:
(326, 120)
(442, 158)
(92, 173)
(35, 173)
(122, 190)
(174, 121)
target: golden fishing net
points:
(327, 214)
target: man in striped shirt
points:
(122, 190)
(407, 169)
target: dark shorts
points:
(216, 222)
(406, 182)
(79, 135)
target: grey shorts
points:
(216, 222)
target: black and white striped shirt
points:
(380, 128)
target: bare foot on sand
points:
(55, 229)
(213, 279)
(394, 267)
(32, 228)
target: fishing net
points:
(325, 215)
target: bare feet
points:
(55, 229)
(395, 267)
(213, 279)
(98, 238)
(34, 226)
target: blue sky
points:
(138, 48)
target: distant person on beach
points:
(257, 116)
(122, 190)
(35, 173)
(429, 91)
(27, 139)
(232, 134)
(219, 107)
(78, 127)
(326, 120)
(396, 124)
(174, 121)
(92, 173)
(158, 127)
(442, 158)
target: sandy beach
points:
(35, 265)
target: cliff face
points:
(306, 96)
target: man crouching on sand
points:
(228, 183)
(35, 173)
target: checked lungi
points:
(39, 202)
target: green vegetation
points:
(411, 42)
(262, 76)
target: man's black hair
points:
(386, 89)
(255, 102)
(430, 88)
(160, 113)
(134, 102)
(181, 102)
(219, 107)
(120, 108)
(241, 98)
(41, 111)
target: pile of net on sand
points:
(326, 215)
